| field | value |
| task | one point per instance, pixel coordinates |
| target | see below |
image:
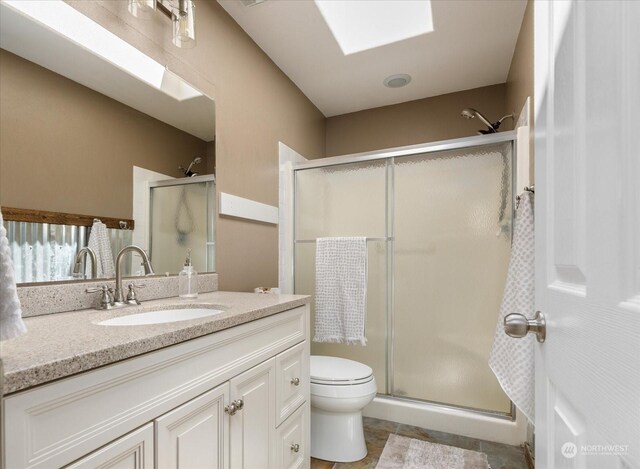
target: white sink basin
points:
(160, 317)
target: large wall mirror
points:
(100, 145)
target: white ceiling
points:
(471, 46)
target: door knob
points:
(295, 381)
(295, 447)
(517, 325)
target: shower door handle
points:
(517, 325)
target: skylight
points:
(359, 25)
(73, 25)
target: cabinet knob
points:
(295, 447)
(234, 407)
(295, 381)
(230, 409)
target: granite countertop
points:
(64, 344)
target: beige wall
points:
(66, 148)
(423, 120)
(520, 80)
(256, 106)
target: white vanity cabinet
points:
(238, 398)
(132, 451)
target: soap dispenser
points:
(188, 280)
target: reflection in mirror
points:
(182, 218)
(88, 126)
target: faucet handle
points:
(106, 299)
(132, 298)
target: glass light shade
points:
(142, 8)
(184, 24)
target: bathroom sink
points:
(160, 317)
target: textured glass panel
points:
(453, 215)
(344, 200)
(374, 353)
(180, 220)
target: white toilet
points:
(340, 389)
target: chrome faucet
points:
(146, 263)
(78, 262)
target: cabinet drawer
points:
(292, 442)
(132, 451)
(292, 380)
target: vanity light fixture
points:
(183, 18)
(181, 13)
(142, 9)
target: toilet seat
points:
(336, 371)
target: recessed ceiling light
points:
(359, 25)
(397, 81)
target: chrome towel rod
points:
(389, 238)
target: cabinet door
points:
(292, 441)
(132, 451)
(252, 427)
(196, 434)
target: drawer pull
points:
(295, 381)
(295, 447)
(234, 407)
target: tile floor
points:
(377, 431)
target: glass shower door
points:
(452, 229)
(346, 200)
(182, 218)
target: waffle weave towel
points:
(511, 359)
(99, 243)
(341, 290)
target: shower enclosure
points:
(438, 222)
(182, 217)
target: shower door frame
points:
(391, 154)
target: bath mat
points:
(401, 452)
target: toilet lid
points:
(335, 370)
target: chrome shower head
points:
(470, 113)
(187, 172)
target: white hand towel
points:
(511, 359)
(341, 290)
(11, 324)
(99, 243)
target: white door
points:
(196, 434)
(252, 426)
(587, 150)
